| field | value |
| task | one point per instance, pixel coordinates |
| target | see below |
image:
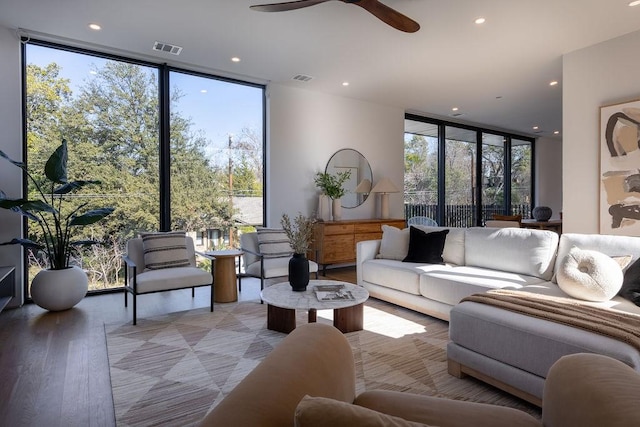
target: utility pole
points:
(230, 194)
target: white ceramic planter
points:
(57, 290)
(337, 210)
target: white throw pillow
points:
(165, 250)
(394, 244)
(591, 275)
(274, 243)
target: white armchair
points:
(178, 269)
(257, 265)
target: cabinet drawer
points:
(368, 236)
(331, 229)
(368, 227)
(338, 249)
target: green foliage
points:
(331, 185)
(54, 213)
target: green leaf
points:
(56, 167)
(15, 162)
(24, 242)
(91, 217)
(72, 186)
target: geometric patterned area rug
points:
(173, 369)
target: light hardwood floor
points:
(54, 369)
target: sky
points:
(216, 107)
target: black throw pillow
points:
(426, 247)
(631, 283)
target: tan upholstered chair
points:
(139, 279)
(256, 264)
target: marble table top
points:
(281, 295)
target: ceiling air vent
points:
(166, 47)
(302, 78)
(456, 114)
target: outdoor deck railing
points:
(462, 215)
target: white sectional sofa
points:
(510, 350)
(475, 259)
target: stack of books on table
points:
(333, 293)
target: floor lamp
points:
(384, 187)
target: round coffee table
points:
(282, 304)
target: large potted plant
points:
(332, 186)
(300, 234)
(61, 286)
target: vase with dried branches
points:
(300, 234)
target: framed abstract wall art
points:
(620, 169)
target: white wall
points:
(11, 144)
(549, 174)
(305, 128)
(599, 75)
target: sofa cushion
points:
(273, 243)
(324, 412)
(590, 275)
(609, 245)
(394, 243)
(517, 250)
(451, 285)
(453, 252)
(402, 276)
(165, 250)
(425, 247)
(631, 283)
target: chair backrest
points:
(422, 220)
(502, 224)
(249, 241)
(135, 251)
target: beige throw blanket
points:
(624, 327)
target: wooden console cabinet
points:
(335, 241)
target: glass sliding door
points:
(216, 158)
(460, 177)
(107, 110)
(521, 189)
(493, 175)
(420, 169)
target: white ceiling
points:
(450, 62)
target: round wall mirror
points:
(359, 184)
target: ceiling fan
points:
(379, 10)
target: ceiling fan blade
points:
(390, 16)
(290, 5)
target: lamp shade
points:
(384, 186)
(364, 186)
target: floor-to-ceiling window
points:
(110, 110)
(473, 173)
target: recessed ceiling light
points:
(535, 128)
(95, 27)
(556, 132)
(454, 109)
(480, 20)
(634, 3)
(553, 83)
(235, 59)
(345, 83)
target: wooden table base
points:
(349, 319)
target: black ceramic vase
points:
(541, 213)
(299, 272)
